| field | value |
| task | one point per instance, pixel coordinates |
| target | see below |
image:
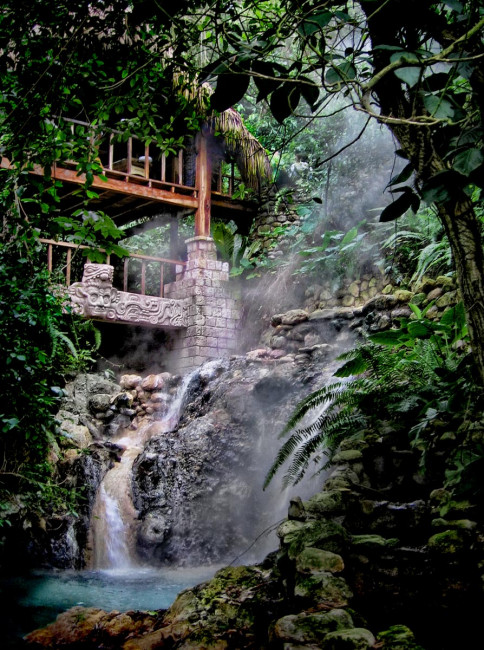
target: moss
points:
(373, 541)
(309, 628)
(402, 295)
(448, 542)
(323, 588)
(327, 502)
(357, 638)
(348, 456)
(320, 534)
(398, 637)
(315, 560)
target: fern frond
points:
(316, 399)
(69, 344)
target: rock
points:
(387, 290)
(425, 285)
(321, 534)
(445, 281)
(153, 382)
(77, 433)
(397, 637)
(308, 628)
(324, 589)
(447, 299)
(296, 510)
(434, 294)
(348, 456)
(330, 502)
(315, 560)
(354, 289)
(260, 353)
(418, 298)
(153, 529)
(99, 403)
(128, 382)
(294, 316)
(379, 303)
(278, 342)
(402, 295)
(348, 301)
(357, 638)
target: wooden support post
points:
(179, 180)
(203, 185)
(147, 161)
(163, 166)
(162, 280)
(143, 277)
(49, 258)
(125, 274)
(129, 161)
(111, 152)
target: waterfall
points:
(114, 518)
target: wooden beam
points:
(123, 187)
(203, 186)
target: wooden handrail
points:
(144, 259)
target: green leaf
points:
(438, 107)
(284, 101)
(397, 208)
(315, 23)
(441, 187)
(337, 74)
(230, 90)
(410, 75)
(467, 161)
(350, 235)
(402, 176)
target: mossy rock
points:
(444, 281)
(449, 542)
(398, 637)
(327, 502)
(373, 541)
(309, 628)
(315, 560)
(457, 524)
(327, 535)
(357, 638)
(446, 300)
(289, 530)
(323, 589)
(402, 295)
(418, 298)
(347, 456)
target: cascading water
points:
(114, 520)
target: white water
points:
(114, 521)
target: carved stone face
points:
(98, 274)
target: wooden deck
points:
(139, 182)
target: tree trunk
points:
(462, 229)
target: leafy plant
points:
(235, 248)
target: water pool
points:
(34, 600)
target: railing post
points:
(162, 281)
(129, 161)
(163, 167)
(68, 267)
(147, 161)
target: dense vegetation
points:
(415, 67)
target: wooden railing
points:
(138, 285)
(136, 161)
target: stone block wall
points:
(212, 312)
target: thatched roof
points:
(249, 154)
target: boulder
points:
(308, 627)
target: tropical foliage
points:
(417, 378)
